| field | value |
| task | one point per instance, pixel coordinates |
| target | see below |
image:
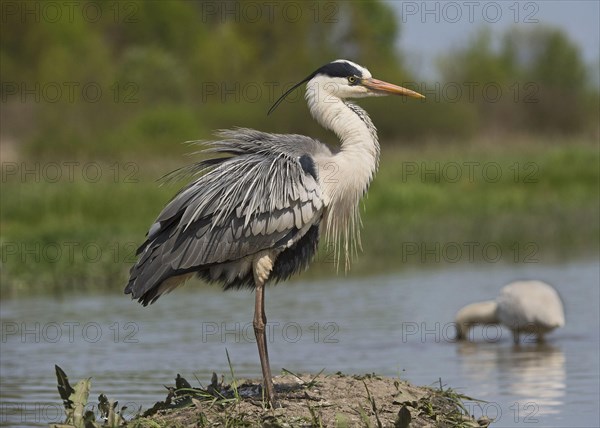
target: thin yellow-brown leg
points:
(261, 270)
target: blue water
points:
(396, 325)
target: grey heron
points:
(257, 205)
(525, 307)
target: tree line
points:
(107, 78)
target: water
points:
(397, 325)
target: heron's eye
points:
(352, 80)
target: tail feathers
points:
(153, 293)
(150, 277)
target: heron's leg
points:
(262, 268)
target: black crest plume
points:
(333, 69)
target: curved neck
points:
(358, 158)
(350, 123)
(480, 313)
(345, 176)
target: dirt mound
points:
(311, 401)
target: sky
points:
(430, 28)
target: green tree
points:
(546, 57)
(541, 75)
(157, 61)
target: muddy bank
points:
(336, 400)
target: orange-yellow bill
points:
(381, 86)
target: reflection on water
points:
(399, 325)
(532, 375)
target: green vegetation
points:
(329, 400)
(533, 200)
(147, 74)
(522, 201)
(78, 414)
(94, 111)
(535, 82)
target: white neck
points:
(481, 313)
(346, 176)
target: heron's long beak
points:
(388, 88)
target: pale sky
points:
(429, 28)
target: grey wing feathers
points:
(258, 195)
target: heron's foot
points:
(269, 395)
(271, 402)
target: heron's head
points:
(345, 79)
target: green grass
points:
(544, 206)
(81, 234)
